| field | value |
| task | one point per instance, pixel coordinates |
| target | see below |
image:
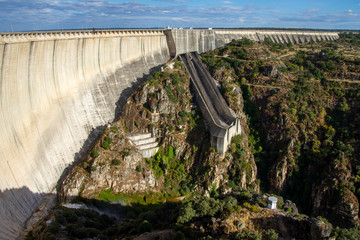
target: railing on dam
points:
(222, 122)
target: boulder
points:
(319, 229)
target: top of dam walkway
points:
(14, 37)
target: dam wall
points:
(54, 92)
(57, 89)
(202, 40)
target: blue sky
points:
(29, 15)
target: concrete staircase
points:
(145, 143)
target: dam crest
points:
(57, 88)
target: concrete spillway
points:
(222, 122)
(56, 87)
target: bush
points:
(270, 234)
(145, 226)
(179, 236)
(70, 216)
(254, 209)
(347, 233)
(54, 227)
(60, 219)
(186, 213)
(243, 80)
(114, 129)
(248, 235)
(138, 168)
(105, 145)
(108, 139)
(231, 184)
(183, 114)
(176, 78)
(95, 153)
(230, 203)
(116, 162)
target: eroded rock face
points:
(319, 229)
(124, 178)
(338, 204)
(120, 168)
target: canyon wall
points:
(58, 88)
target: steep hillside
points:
(303, 105)
(184, 163)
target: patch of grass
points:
(95, 153)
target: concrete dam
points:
(58, 89)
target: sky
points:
(34, 15)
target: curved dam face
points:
(57, 87)
(54, 90)
(190, 40)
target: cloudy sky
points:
(29, 15)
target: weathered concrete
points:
(56, 87)
(54, 90)
(222, 122)
(202, 40)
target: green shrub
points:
(243, 80)
(105, 145)
(186, 213)
(179, 236)
(270, 234)
(347, 233)
(282, 69)
(183, 114)
(114, 129)
(175, 78)
(145, 226)
(54, 227)
(231, 184)
(108, 139)
(70, 216)
(60, 219)
(247, 235)
(138, 168)
(85, 165)
(254, 209)
(116, 162)
(94, 153)
(79, 233)
(230, 203)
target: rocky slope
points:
(163, 106)
(303, 103)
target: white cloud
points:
(241, 19)
(227, 2)
(311, 11)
